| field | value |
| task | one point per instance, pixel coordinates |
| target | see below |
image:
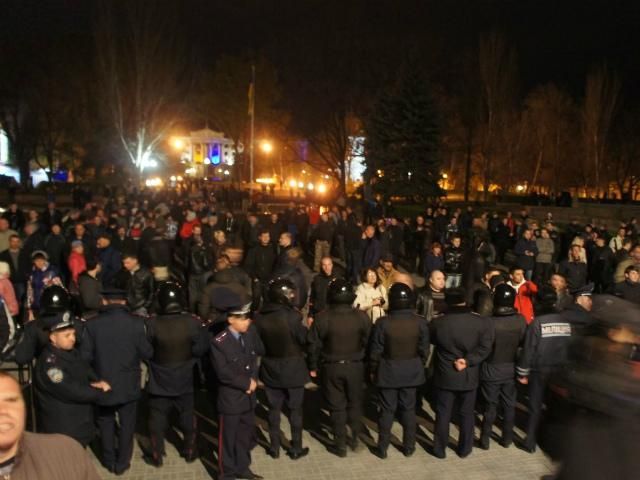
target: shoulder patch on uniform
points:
(221, 336)
(55, 375)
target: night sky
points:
(556, 40)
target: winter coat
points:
(365, 295)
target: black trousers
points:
(503, 394)
(159, 409)
(106, 419)
(293, 399)
(445, 403)
(402, 400)
(236, 439)
(342, 385)
(537, 388)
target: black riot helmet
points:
(401, 297)
(54, 299)
(282, 291)
(170, 298)
(504, 297)
(340, 292)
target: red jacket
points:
(77, 264)
(524, 299)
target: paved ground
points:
(497, 463)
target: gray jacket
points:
(545, 250)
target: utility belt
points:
(341, 362)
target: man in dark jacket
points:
(322, 237)
(463, 340)
(110, 261)
(90, 289)
(338, 338)
(372, 248)
(398, 352)
(320, 284)
(526, 251)
(234, 353)
(198, 260)
(630, 288)
(114, 343)
(259, 263)
(139, 285)
(453, 262)
(498, 372)
(283, 369)
(178, 339)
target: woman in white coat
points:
(371, 296)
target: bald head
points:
(437, 281)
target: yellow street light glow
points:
(266, 181)
(153, 182)
(172, 178)
(179, 178)
(190, 171)
(310, 186)
(300, 184)
(177, 143)
(520, 188)
(266, 147)
(322, 188)
(226, 172)
(293, 183)
(445, 176)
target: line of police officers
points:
(340, 350)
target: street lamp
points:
(266, 147)
(177, 143)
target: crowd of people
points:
(278, 300)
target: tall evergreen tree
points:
(402, 140)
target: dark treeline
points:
(527, 96)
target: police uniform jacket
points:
(115, 343)
(178, 340)
(460, 335)
(339, 333)
(509, 327)
(580, 319)
(399, 349)
(546, 344)
(235, 366)
(285, 342)
(65, 396)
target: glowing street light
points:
(177, 143)
(266, 147)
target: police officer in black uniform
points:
(498, 381)
(283, 369)
(546, 350)
(178, 339)
(66, 385)
(338, 338)
(398, 352)
(115, 343)
(54, 300)
(234, 353)
(463, 340)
